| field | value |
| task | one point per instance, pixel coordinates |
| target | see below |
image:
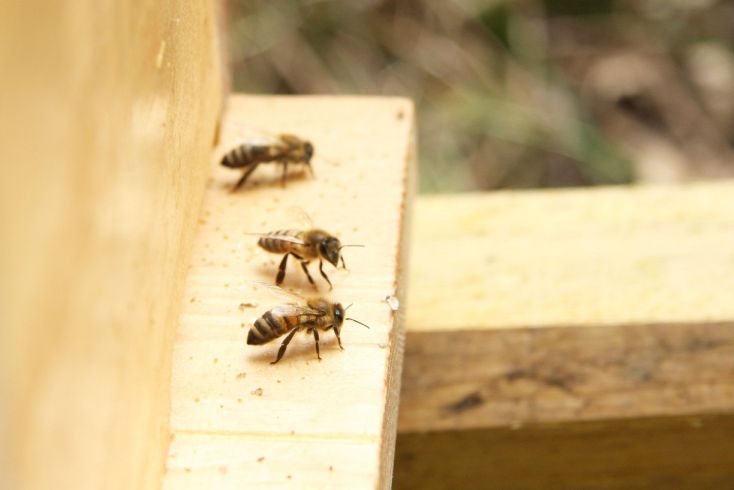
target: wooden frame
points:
(236, 419)
(544, 326)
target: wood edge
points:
(565, 375)
(638, 251)
(219, 54)
(397, 340)
(315, 97)
(671, 451)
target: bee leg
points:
(244, 177)
(281, 270)
(321, 269)
(338, 338)
(316, 338)
(283, 346)
(304, 266)
(344, 264)
(310, 170)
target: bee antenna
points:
(328, 160)
(350, 246)
(350, 305)
(357, 321)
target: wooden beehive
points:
(125, 260)
(555, 339)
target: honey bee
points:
(283, 149)
(304, 246)
(317, 314)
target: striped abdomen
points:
(267, 328)
(282, 241)
(277, 322)
(246, 155)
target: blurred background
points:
(520, 94)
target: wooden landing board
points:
(239, 421)
(570, 305)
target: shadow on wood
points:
(695, 453)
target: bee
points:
(304, 246)
(283, 149)
(317, 314)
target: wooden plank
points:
(230, 406)
(581, 257)
(514, 377)
(570, 305)
(233, 461)
(584, 330)
(692, 452)
(108, 119)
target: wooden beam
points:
(108, 118)
(511, 378)
(238, 420)
(570, 305)
(570, 308)
(604, 256)
(683, 452)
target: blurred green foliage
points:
(514, 94)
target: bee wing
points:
(257, 137)
(239, 134)
(281, 293)
(284, 238)
(295, 310)
(294, 217)
(243, 135)
(250, 134)
(299, 215)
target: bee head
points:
(338, 314)
(308, 151)
(329, 249)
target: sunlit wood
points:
(237, 420)
(108, 117)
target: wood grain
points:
(108, 115)
(230, 406)
(570, 305)
(611, 256)
(237, 461)
(686, 453)
(570, 339)
(514, 377)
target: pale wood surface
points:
(570, 305)
(580, 257)
(230, 407)
(200, 461)
(108, 116)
